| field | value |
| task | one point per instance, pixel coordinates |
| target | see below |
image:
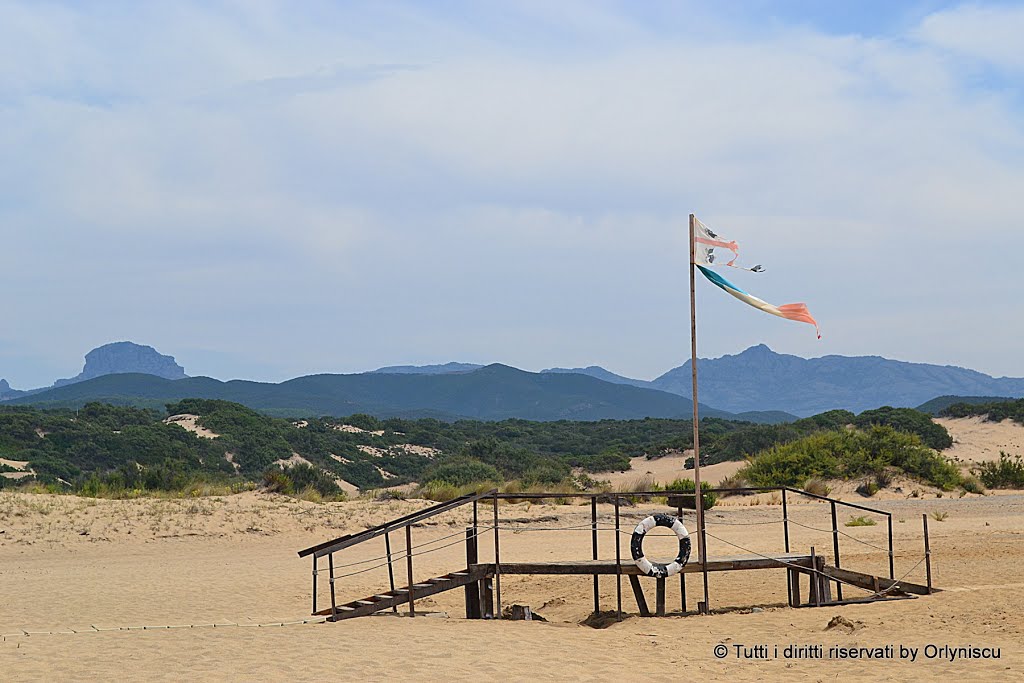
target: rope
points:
(400, 554)
(829, 531)
(93, 629)
(812, 570)
(581, 527)
(424, 552)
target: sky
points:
(270, 189)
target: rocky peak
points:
(122, 357)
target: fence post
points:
(497, 562)
(391, 568)
(330, 568)
(892, 567)
(815, 580)
(408, 567)
(835, 548)
(682, 575)
(785, 519)
(314, 582)
(593, 543)
(618, 564)
(927, 553)
(472, 588)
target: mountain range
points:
(494, 392)
(757, 384)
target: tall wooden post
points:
(701, 540)
(408, 568)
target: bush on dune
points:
(851, 454)
(1005, 473)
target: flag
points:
(705, 244)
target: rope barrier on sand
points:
(230, 624)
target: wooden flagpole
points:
(701, 540)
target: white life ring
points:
(659, 569)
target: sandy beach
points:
(73, 568)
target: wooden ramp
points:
(402, 596)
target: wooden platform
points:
(605, 567)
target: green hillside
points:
(495, 392)
(938, 405)
(996, 411)
(121, 450)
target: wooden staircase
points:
(401, 596)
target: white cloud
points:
(990, 34)
(341, 189)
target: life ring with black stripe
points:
(659, 569)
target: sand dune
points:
(667, 469)
(70, 564)
(975, 440)
(191, 423)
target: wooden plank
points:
(488, 598)
(400, 595)
(638, 593)
(591, 567)
(659, 600)
(875, 583)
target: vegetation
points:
(937, 405)
(1005, 473)
(996, 411)
(861, 521)
(908, 420)
(850, 454)
(104, 449)
(708, 498)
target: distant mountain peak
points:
(759, 379)
(4, 386)
(126, 357)
(438, 369)
(757, 350)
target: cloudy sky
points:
(270, 189)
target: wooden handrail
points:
(328, 547)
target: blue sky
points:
(265, 189)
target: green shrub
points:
(817, 487)
(867, 488)
(708, 497)
(907, 420)
(1005, 473)
(304, 476)
(849, 454)
(276, 480)
(972, 485)
(440, 491)
(861, 521)
(461, 470)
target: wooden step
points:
(400, 596)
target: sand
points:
(190, 423)
(666, 469)
(71, 564)
(82, 577)
(975, 439)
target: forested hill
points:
(120, 450)
(494, 392)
